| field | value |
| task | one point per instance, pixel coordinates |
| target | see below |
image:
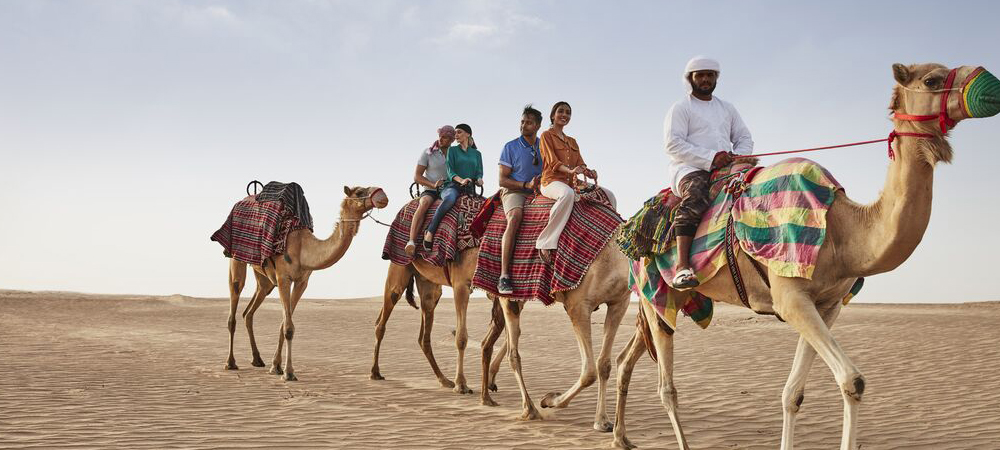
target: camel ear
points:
(900, 73)
(347, 191)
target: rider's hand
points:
(722, 159)
(530, 185)
(578, 170)
(479, 182)
(591, 173)
(438, 184)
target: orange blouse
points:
(557, 151)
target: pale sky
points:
(129, 128)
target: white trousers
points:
(564, 196)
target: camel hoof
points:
(487, 401)
(549, 401)
(531, 414)
(289, 377)
(275, 370)
(257, 362)
(623, 443)
(493, 387)
(605, 427)
(462, 390)
(376, 376)
(446, 383)
(231, 365)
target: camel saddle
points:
(776, 215)
(452, 237)
(591, 226)
(257, 227)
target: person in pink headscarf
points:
(431, 173)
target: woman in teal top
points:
(465, 171)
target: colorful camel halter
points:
(979, 97)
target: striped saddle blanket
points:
(779, 220)
(591, 225)
(452, 236)
(257, 230)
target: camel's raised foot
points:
(549, 401)
(288, 376)
(493, 387)
(257, 362)
(446, 383)
(231, 364)
(486, 400)
(376, 375)
(530, 413)
(276, 370)
(624, 443)
(604, 426)
(462, 389)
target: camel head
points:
(966, 91)
(362, 199)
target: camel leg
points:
(237, 280)
(663, 341)
(799, 310)
(461, 336)
(579, 315)
(626, 362)
(492, 334)
(794, 391)
(612, 320)
(495, 365)
(512, 321)
(288, 327)
(395, 284)
(264, 287)
(430, 294)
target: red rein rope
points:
(892, 137)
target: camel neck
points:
(319, 254)
(896, 222)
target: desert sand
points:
(100, 371)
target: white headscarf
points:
(698, 63)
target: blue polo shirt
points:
(518, 155)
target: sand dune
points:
(90, 371)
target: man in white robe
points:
(701, 133)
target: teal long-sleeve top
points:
(466, 163)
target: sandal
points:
(684, 280)
(428, 244)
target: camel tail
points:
(409, 293)
(642, 326)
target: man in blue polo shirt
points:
(520, 167)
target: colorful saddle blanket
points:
(452, 236)
(257, 229)
(591, 225)
(779, 220)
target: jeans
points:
(448, 197)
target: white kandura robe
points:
(695, 130)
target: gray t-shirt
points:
(436, 163)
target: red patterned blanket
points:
(451, 238)
(255, 231)
(590, 227)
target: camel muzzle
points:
(981, 94)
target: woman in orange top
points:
(561, 164)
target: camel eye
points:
(931, 82)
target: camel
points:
(429, 279)
(290, 272)
(605, 282)
(862, 240)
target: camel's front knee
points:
(289, 331)
(232, 324)
(604, 369)
(792, 400)
(461, 340)
(668, 396)
(855, 387)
